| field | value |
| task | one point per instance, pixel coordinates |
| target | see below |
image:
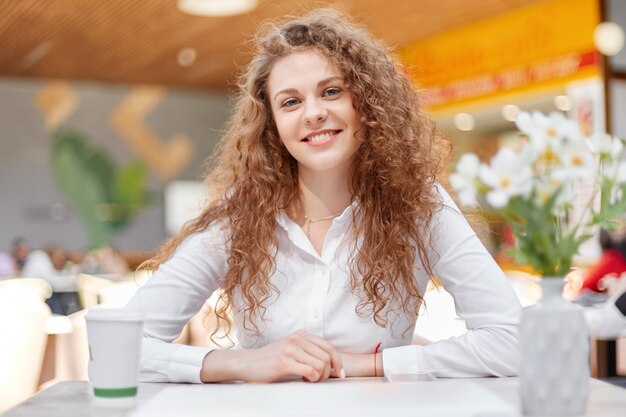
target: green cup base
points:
(115, 392)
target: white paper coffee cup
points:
(114, 336)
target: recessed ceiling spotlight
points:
(563, 103)
(464, 122)
(608, 38)
(216, 7)
(186, 57)
(509, 112)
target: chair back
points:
(89, 288)
(23, 315)
(38, 285)
(72, 350)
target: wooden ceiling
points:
(138, 41)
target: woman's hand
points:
(299, 354)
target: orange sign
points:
(527, 48)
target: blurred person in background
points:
(105, 260)
(59, 259)
(7, 266)
(607, 272)
(608, 320)
(53, 266)
(602, 287)
(20, 253)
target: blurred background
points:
(143, 90)
(109, 109)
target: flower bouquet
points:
(534, 187)
(553, 189)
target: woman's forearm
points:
(299, 354)
(228, 365)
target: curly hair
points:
(392, 178)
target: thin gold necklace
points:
(308, 221)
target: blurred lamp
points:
(186, 57)
(216, 7)
(563, 103)
(608, 38)
(464, 122)
(509, 112)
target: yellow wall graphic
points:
(165, 159)
(57, 101)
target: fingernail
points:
(342, 374)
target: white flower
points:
(508, 175)
(463, 180)
(575, 163)
(548, 134)
(548, 187)
(606, 145)
(555, 177)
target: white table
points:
(73, 398)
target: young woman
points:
(328, 222)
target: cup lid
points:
(117, 314)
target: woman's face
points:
(313, 111)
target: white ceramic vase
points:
(554, 367)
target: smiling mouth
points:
(320, 137)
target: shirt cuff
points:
(186, 363)
(400, 360)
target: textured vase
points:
(554, 367)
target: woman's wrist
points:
(363, 364)
(378, 364)
(221, 365)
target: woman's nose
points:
(315, 112)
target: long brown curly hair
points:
(392, 179)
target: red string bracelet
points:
(375, 352)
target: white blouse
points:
(315, 295)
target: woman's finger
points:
(309, 354)
(335, 358)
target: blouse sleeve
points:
(170, 298)
(483, 297)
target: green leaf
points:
(105, 198)
(101, 166)
(79, 185)
(130, 185)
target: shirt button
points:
(324, 270)
(316, 313)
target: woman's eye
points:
(290, 102)
(333, 91)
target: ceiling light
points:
(509, 112)
(563, 103)
(464, 122)
(216, 7)
(608, 38)
(186, 57)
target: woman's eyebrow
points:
(329, 80)
(323, 82)
(286, 91)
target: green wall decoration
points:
(105, 197)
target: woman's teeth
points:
(320, 137)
